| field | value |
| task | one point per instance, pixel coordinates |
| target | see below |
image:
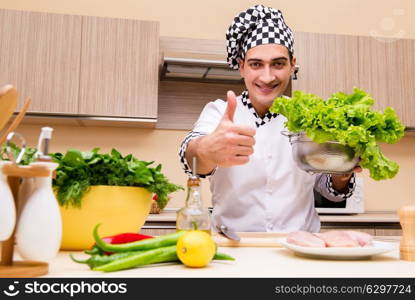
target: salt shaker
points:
(27, 187)
(39, 232)
(407, 220)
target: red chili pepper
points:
(126, 238)
(121, 238)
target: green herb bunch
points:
(77, 171)
(348, 119)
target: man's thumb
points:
(231, 107)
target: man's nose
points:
(267, 75)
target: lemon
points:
(195, 248)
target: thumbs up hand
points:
(231, 106)
(230, 144)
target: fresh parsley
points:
(78, 170)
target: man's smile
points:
(266, 89)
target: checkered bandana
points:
(259, 25)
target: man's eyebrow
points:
(274, 59)
(280, 58)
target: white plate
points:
(340, 252)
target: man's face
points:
(266, 71)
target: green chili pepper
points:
(222, 256)
(147, 244)
(141, 258)
(94, 250)
(101, 259)
(158, 255)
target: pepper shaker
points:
(407, 220)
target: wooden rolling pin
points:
(407, 220)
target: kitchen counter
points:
(254, 262)
(169, 215)
(379, 223)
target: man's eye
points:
(255, 65)
(279, 64)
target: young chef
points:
(255, 183)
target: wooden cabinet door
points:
(387, 72)
(119, 68)
(40, 56)
(328, 63)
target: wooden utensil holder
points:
(21, 268)
(407, 220)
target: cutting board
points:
(250, 239)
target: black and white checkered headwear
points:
(258, 25)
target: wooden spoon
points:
(16, 121)
(8, 103)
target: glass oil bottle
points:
(193, 216)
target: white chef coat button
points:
(269, 156)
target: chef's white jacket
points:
(270, 193)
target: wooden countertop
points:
(169, 215)
(254, 262)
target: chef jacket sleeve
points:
(208, 121)
(324, 186)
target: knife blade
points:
(230, 234)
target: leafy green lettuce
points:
(348, 119)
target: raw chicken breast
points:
(305, 239)
(364, 239)
(338, 238)
(332, 238)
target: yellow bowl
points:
(118, 208)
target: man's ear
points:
(293, 63)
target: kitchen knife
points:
(228, 233)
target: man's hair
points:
(290, 55)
